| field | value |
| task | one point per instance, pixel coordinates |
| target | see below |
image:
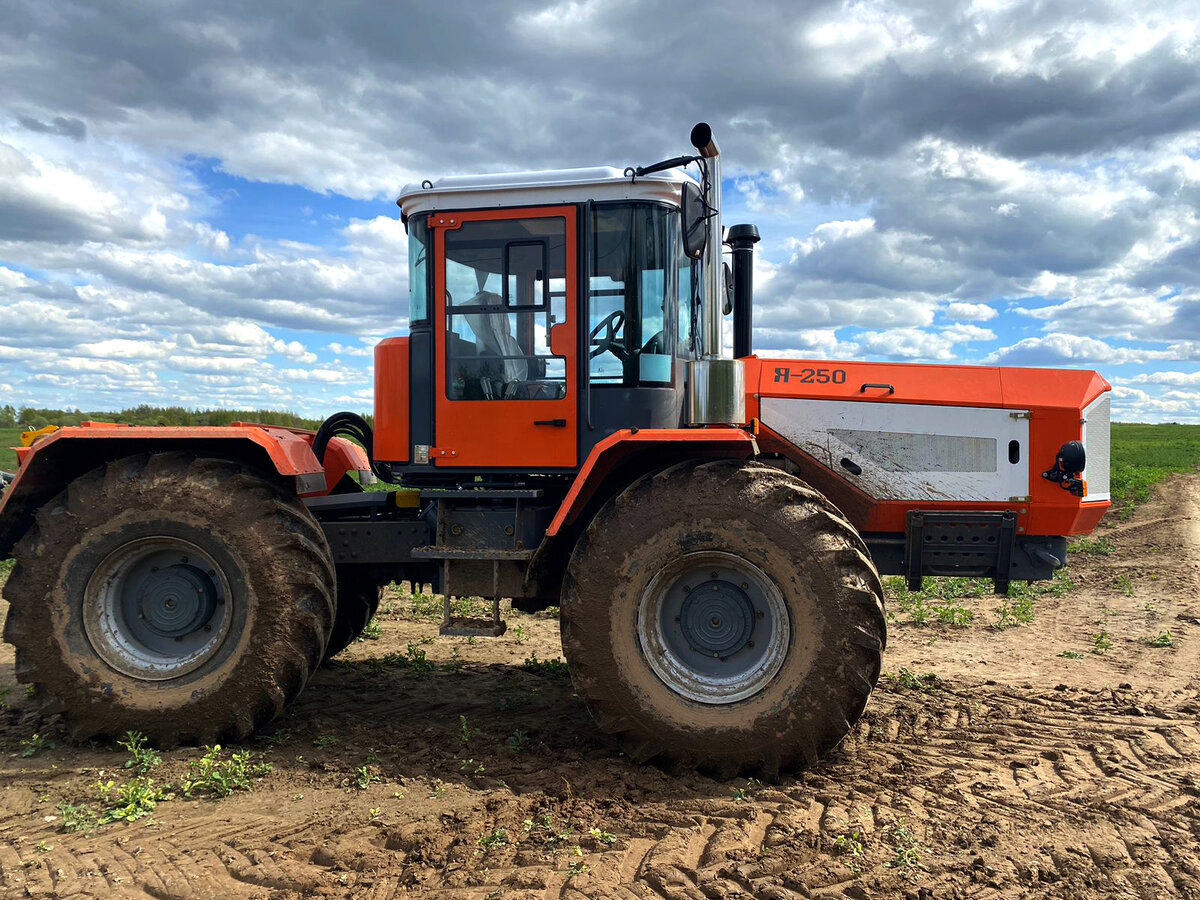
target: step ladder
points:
(468, 626)
(445, 553)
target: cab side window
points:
(505, 290)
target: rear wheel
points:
(185, 598)
(723, 615)
(358, 597)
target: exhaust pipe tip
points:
(702, 140)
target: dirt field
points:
(1017, 772)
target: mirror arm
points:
(673, 163)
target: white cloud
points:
(344, 350)
(1071, 349)
(970, 312)
(1178, 379)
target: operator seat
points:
(493, 338)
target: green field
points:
(1143, 455)
(9, 437)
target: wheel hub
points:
(175, 601)
(717, 617)
(157, 608)
(714, 627)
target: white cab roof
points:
(540, 188)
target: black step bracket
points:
(960, 543)
(363, 503)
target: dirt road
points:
(1018, 772)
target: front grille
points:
(1097, 441)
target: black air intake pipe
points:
(742, 239)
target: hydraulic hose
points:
(352, 425)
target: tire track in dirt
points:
(1097, 801)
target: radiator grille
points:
(1097, 442)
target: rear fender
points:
(53, 461)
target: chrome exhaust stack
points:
(716, 385)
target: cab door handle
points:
(556, 423)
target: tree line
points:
(34, 417)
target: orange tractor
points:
(568, 433)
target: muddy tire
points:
(358, 599)
(189, 599)
(724, 616)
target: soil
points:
(1018, 772)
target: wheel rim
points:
(714, 627)
(157, 608)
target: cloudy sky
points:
(197, 199)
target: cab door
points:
(505, 295)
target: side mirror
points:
(695, 221)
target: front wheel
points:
(723, 615)
(185, 598)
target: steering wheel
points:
(656, 344)
(611, 324)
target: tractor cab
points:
(548, 310)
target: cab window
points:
(418, 270)
(505, 290)
(632, 294)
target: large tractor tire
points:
(189, 599)
(358, 597)
(723, 616)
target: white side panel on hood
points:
(909, 451)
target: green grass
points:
(914, 681)
(940, 600)
(551, 668)
(1144, 455)
(213, 776)
(9, 438)
(1093, 546)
